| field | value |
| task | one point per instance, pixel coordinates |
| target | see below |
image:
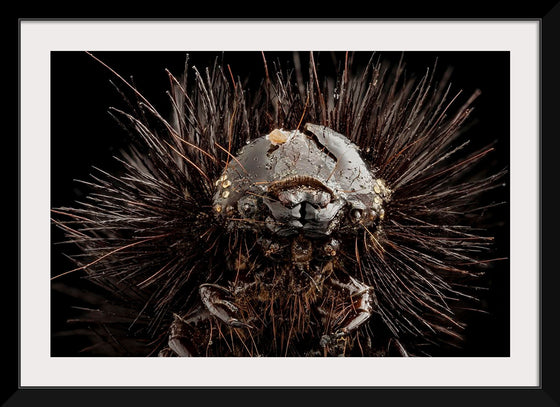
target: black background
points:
(85, 135)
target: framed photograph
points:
(203, 201)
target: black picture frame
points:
(547, 394)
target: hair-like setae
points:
(177, 275)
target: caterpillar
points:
(291, 204)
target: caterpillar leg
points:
(361, 301)
(191, 335)
(216, 299)
(188, 335)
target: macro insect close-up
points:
(280, 204)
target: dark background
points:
(83, 135)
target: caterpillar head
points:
(292, 183)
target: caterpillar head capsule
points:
(312, 183)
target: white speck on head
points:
(278, 136)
